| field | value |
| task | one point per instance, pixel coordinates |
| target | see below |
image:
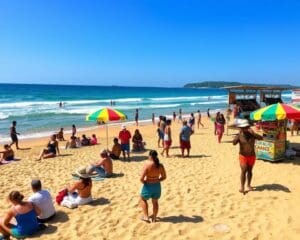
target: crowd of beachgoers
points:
(31, 215)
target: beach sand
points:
(200, 198)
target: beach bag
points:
(60, 196)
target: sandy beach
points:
(200, 198)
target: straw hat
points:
(82, 172)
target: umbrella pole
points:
(106, 136)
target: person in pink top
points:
(94, 140)
(125, 137)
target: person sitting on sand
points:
(153, 173)
(94, 140)
(124, 137)
(137, 139)
(71, 143)
(116, 150)
(246, 138)
(60, 135)
(8, 154)
(79, 193)
(184, 138)
(25, 214)
(52, 149)
(104, 167)
(167, 138)
(43, 200)
(85, 141)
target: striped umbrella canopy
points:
(276, 111)
(106, 115)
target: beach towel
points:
(95, 178)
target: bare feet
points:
(249, 188)
(242, 190)
(145, 219)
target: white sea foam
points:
(3, 116)
(188, 98)
(208, 103)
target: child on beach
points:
(85, 141)
(116, 150)
(94, 140)
(174, 116)
(153, 118)
(7, 154)
(167, 138)
(220, 123)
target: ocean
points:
(37, 112)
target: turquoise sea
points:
(36, 107)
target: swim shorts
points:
(185, 144)
(167, 144)
(247, 160)
(125, 147)
(151, 190)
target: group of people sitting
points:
(76, 142)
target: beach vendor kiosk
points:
(272, 121)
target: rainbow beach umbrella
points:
(106, 115)
(278, 111)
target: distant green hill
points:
(221, 84)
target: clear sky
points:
(149, 42)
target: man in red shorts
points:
(184, 138)
(246, 138)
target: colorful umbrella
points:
(278, 111)
(106, 115)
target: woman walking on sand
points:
(220, 122)
(153, 173)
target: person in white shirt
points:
(43, 200)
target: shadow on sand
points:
(272, 187)
(181, 219)
(100, 201)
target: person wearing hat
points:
(246, 138)
(79, 193)
(124, 137)
(42, 198)
(104, 167)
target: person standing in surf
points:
(14, 134)
(180, 115)
(136, 117)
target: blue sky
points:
(149, 42)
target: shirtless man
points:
(7, 154)
(103, 167)
(246, 138)
(153, 173)
(14, 134)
